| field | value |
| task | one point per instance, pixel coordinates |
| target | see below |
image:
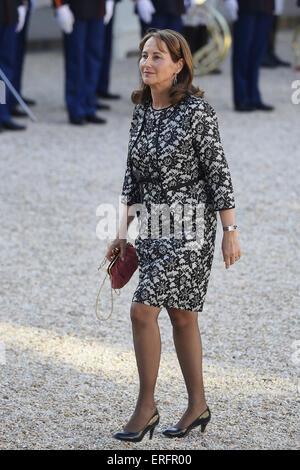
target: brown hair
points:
(178, 48)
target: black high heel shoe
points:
(202, 421)
(138, 436)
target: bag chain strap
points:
(102, 264)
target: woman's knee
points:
(182, 318)
(142, 315)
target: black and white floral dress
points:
(176, 160)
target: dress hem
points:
(200, 309)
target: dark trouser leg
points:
(7, 62)
(175, 23)
(259, 45)
(203, 35)
(21, 45)
(243, 32)
(144, 27)
(75, 46)
(167, 22)
(159, 21)
(197, 37)
(272, 36)
(94, 62)
(103, 84)
(189, 32)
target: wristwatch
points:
(229, 228)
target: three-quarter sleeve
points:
(130, 190)
(212, 160)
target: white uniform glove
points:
(279, 6)
(22, 10)
(232, 7)
(145, 10)
(65, 18)
(109, 8)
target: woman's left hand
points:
(231, 248)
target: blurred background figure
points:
(195, 28)
(83, 27)
(160, 14)
(145, 10)
(12, 19)
(270, 58)
(21, 47)
(251, 28)
(104, 79)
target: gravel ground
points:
(68, 381)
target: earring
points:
(175, 80)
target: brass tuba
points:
(212, 54)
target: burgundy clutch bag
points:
(121, 271)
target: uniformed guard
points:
(104, 79)
(21, 47)
(251, 28)
(271, 59)
(83, 25)
(12, 18)
(195, 28)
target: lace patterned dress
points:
(176, 160)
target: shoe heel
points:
(151, 433)
(203, 426)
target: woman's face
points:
(157, 67)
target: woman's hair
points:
(178, 48)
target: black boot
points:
(109, 96)
(92, 118)
(263, 107)
(16, 112)
(103, 106)
(12, 126)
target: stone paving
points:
(68, 381)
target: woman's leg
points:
(188, 346)
(147, 345)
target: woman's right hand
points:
(120, 244)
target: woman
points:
(175, 157)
